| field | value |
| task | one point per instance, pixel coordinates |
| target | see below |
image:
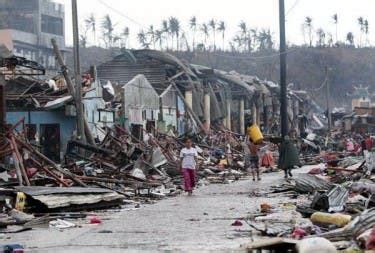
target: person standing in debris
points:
(369, 143)
(228, 154)
(147, 137)
(189, 162)
(288, 157)
(349, 145)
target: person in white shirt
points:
(147, 137)
(189, 157)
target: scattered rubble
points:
(333, 201)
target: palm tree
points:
(116, 38)
(245, 36)
(142, 39)
(237, 42)
(151, 33)
(107, 27)
(125, 36)
(83, 40)
(205, 31)
(330, 40)
(174, 28)
(350, 38)
(361, 28)
(265, 40)
(321, 37)
(269, 40)
(336, 21)
(221, 28)
(159, 38)
(193, 27)
(90, 24)
(308, 24)
(185, 42)
(165, 30)
(212, 24)
(366, 30)
(201, 47)
(254, 36)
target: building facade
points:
(27, 27)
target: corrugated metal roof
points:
(41, 190)
(121, 72)
(65, 200)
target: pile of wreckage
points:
(49, 171)
(332, 200)
(120, 169)
(113, 163)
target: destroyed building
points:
(99, 113)
(27, 26)
(362, 117)
(48, 114)
(216, 97)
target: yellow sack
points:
(337, 219)
(223, 162)
(20, 201)
(255, 134)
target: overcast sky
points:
(256, 13)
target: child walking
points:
(189, 157)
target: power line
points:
(121, 14)
(292, 7)
(320, 87)
(127, 17)
(221, 55)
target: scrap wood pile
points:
(332, 201)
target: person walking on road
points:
(254, 160)
(251, 151)
(189, 164)
(288, 157)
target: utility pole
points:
(70, 86)
(2, 106)
(283, 88)
(77, 73)
(328, 97)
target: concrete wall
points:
(169, 117)
(34, 44)
(67, 124)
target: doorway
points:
(137, 131)
(50, 141)
(150, 126)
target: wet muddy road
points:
(201, 223)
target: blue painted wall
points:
(67, 123)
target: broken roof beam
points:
(49, 161)
(71, 89)
(230, 78)
(169, 59)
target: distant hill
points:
(306, 66)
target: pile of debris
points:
(332, 201)
(118, 170)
